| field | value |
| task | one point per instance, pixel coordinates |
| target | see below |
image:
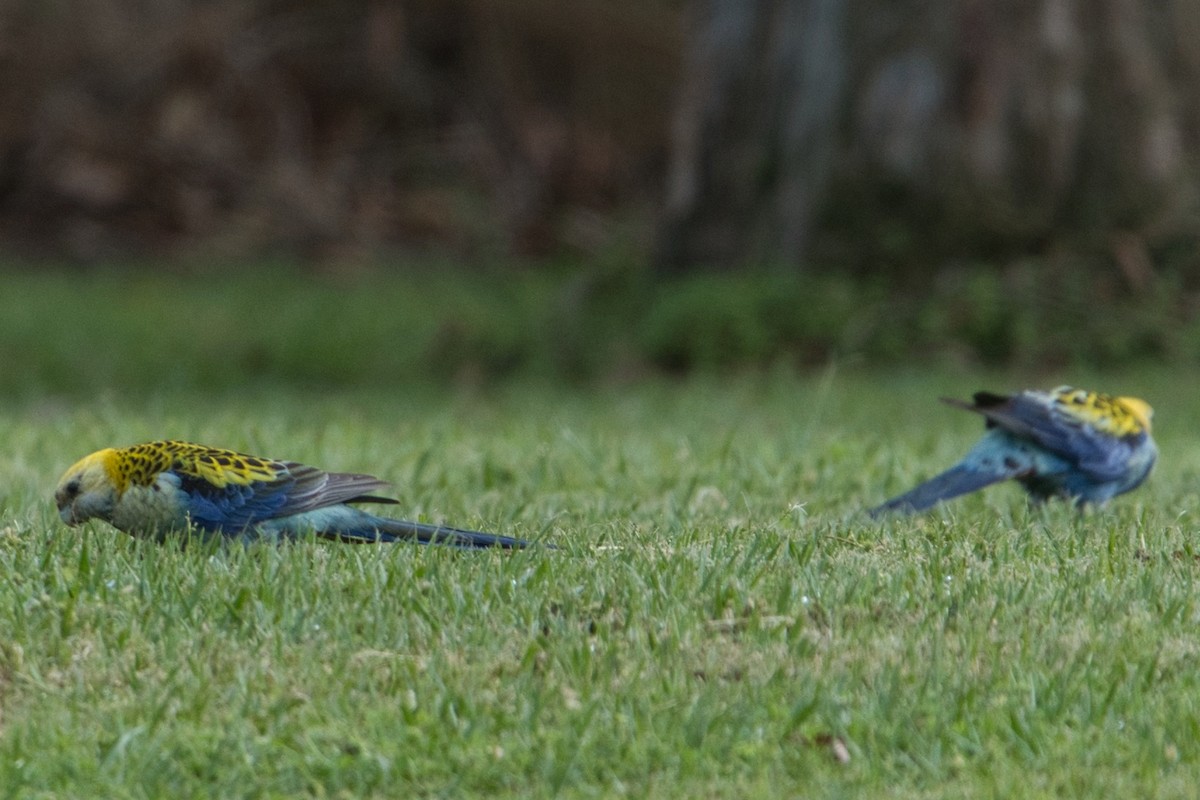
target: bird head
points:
(1140, 410)
(89, 489)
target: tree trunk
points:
(877, 133)
(752, 139)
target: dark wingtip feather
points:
(371, 498)
(982, 403)
(979, 401)
(989, 399)
(954, 401)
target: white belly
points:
(151, 510)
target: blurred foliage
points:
(358, 140)
(128, 330)
(327, 131)
(340, 135)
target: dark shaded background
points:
(855, 136)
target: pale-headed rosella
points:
(1085, 446)
(159, 488)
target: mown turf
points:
(720, 621)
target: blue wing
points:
(1101, 456)
(296, 489)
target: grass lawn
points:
(721, 619)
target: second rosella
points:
(1084, 446)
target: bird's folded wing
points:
(294, 489)
(1068, 435)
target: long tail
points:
(371, 528)
(958, 480)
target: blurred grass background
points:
(129, 329)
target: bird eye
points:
(72, 487)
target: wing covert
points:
(295, 489)
(1040, 418)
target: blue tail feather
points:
(958, 480)
(381, 529)
(348, 524)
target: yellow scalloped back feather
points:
(1118, 416)
(142, 463)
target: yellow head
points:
(1140, 410)
(90, 488)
